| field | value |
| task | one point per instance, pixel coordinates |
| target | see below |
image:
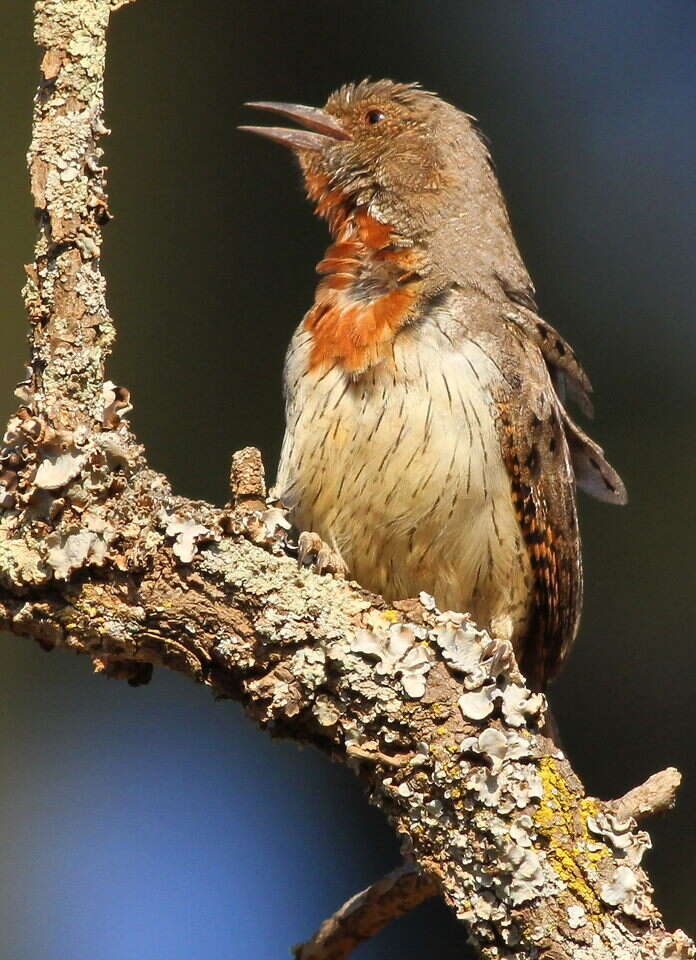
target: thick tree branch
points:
(99, 556)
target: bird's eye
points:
(374, 116)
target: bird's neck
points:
(369, 289)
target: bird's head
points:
(406, 185)
(391, 148)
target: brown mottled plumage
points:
(427, 441)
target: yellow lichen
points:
(557, 821)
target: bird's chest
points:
(400, 469)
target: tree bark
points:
(98, 555)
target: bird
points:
(428, 444)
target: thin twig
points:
(367, 913)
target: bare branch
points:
(97, 555)
(367, 913)
(247, 481)
(656, 795)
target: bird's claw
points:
(312, 552)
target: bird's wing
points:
(569, 376)
(536, 452)
(593, 473)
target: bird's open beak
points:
(321, 129)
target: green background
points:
(156, 823)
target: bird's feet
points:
(312, 552)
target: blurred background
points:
(156, 823)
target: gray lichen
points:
(187, 534)
(479, 704)
(57, 470)
(67, 553)
(622, 835)
(400, 653)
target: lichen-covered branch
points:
(99, 556)
(71, 328)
